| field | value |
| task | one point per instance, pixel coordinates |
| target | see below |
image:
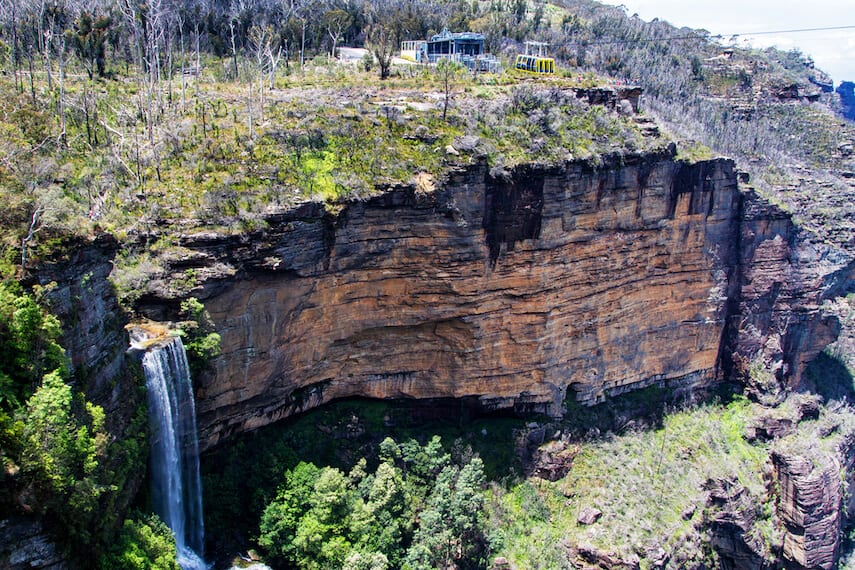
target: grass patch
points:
(647, 484)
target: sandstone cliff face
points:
(517, 290)
(811, 507)
(514, 290)
(783, 277)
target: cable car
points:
(535, 64)
(535, 60)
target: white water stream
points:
(176, 485)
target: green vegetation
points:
(201, 342)
(53, 442)
(417, 510)
(649, 485)
(28, 345)
(378, 504)
(144, 543)
(318, 141)
(694, 152)
(61, 451)
(337, 435)
(652, 489)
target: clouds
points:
(833, 51)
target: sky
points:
(832, 51)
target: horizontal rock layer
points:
(517, 290)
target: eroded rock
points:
(552, 460)
(589, 515)
(730, 516)
(24, 545)
(811, 499)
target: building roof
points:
(445, 35)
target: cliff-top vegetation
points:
(122, 118)
(215, 152)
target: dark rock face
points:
(611, 98)
(94, 335)
(730, 518)
(587, 280)
(24, 545)
(846, 90)
(513, 211)
(782, 279)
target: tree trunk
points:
(261, 95)
(86, 114)
(183, 76)
(32, 83)
(16, 56)
(303, 46)
(249, 110)
(198, 61)
(169, 61)
(234, 47)
(61, 102)
(32, 230)
(44, 40)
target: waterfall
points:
(176, 485)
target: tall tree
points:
(336, 22)
(88, 38)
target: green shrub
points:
(648, 484)
(200, 340)
(28, 345)
(145, 543)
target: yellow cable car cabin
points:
(535, 64)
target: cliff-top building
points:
(466, 48)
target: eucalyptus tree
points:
(336, 21)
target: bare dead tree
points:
(45, 35)
(42, 202)
(34, 227)
(235, 9)
(274, 56)
(304, 10)
(180, 21)
(259, 41)
(61, 99)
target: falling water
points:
(176, 485)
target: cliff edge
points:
(515, 291)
